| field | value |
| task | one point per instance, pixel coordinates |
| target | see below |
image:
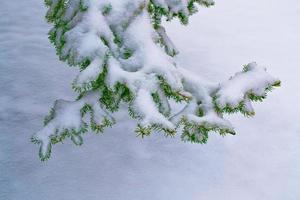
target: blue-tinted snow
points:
(261, 162)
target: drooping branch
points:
(125, 55)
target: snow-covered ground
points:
(261, 162)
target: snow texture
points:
(261, 162)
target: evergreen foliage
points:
(126, 58)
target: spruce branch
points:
(126, 57)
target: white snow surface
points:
(261, 162)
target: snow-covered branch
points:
(125, 55)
